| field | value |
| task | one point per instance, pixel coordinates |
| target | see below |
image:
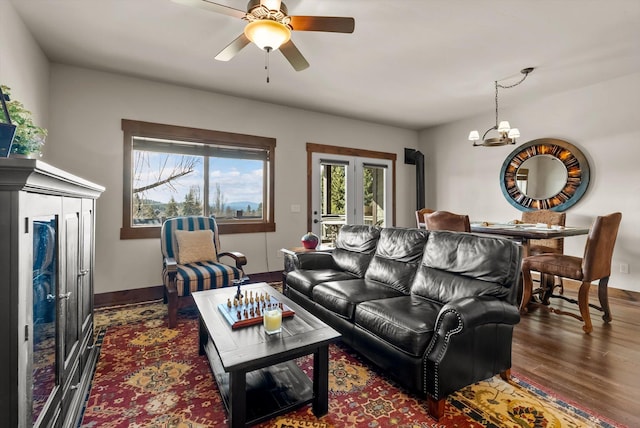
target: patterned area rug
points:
(151, 376)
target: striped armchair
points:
(191, 260)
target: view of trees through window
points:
(167, 185)
(334, 181)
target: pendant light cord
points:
(266, 61)
(525, 73)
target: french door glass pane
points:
(333, 188)
(373, 195)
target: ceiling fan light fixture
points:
(267, 34)
(271, 4)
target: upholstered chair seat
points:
(191, 260)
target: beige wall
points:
(86, 139)
(23, 66)
(602, 120)
(84, 108)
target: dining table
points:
(523, 233)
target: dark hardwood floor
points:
(600, 370)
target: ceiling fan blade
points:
(293, 55)
(332, 24)
(213, 7)
(233, 48)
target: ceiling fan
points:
(269, 27)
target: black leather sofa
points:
(434, 309)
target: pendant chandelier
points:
(506, 134)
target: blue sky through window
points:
(240, 180)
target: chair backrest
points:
(168, 242)
(598, 250)
(420, 217)
(445, 220)
(549, 217)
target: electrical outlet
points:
(624, 268)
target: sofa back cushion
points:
(397, 256)
(354, 247)
(456, 265)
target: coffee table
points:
(256, 372)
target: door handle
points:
(315, 220)
(64, 296)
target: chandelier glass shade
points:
(267, 34)
(506, 134)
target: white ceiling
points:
(410, 63)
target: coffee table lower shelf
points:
(270, 391)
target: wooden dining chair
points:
(445, 220)
(541, 246)
(594, 265)
(420, 217)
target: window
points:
(172, 171)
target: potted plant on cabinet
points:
(7, 129)
(29, 138)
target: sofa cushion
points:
(303, 280)
(398, 253)
(405, 322)
(341, 297)
(354, 248)
(457, 265)
(445, 287)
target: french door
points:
(349, 190)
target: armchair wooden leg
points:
(583, 303)
(506, 375)
(527, 289)
(436, 407)
(603, 295)
(172, 307)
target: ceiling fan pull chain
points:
(266, 61)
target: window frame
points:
(134, 128)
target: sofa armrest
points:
(471, 312)
(239, 258)
(170, 265)
(472, 341)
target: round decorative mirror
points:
(541, 177)
(544, 174)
